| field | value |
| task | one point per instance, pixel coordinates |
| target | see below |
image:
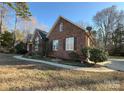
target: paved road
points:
(117, 64)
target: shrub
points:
(84, 52)
(74, 56)
(21, 48)
(96, 55)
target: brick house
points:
(65, 36)
(39, 41)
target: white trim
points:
(67, 48)
(54, 41)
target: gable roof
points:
(41, 33)
(66, 20)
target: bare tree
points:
(83, 24)
(28, 27)
(3, 13)
(107, 20)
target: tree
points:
(6, 39)
(19, 35)
(21, 11)
(107, 20)
(28, 27)
(83, 24)
(118, 38)
(3, 13)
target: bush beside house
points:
(21, 48)
(95, 55)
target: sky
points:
(47, 13)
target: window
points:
(69, 43)
(55, 45)
(28, 47)
(61, 27)
(36, 43)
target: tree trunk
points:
(14, 36)
(1, 22)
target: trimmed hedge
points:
(95, 55)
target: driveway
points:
(116, 64)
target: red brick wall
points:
(41, 44)
(70, 30)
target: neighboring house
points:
(39, 42)
(65, 37)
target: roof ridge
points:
(73, 23)
(66, 20)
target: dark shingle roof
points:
(41, 33)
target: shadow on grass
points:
(39, 67)
(9, 61)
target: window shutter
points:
(50, 46)
(64, 44)
(75, 43)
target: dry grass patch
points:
(42, 77)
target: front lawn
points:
(42, 77)
(22, 75)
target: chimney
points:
(89, 28)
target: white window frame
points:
(69, 44)
(55, 45)
(61, 27)
(28, 47)
(36, 43)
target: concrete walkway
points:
(101, 69)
